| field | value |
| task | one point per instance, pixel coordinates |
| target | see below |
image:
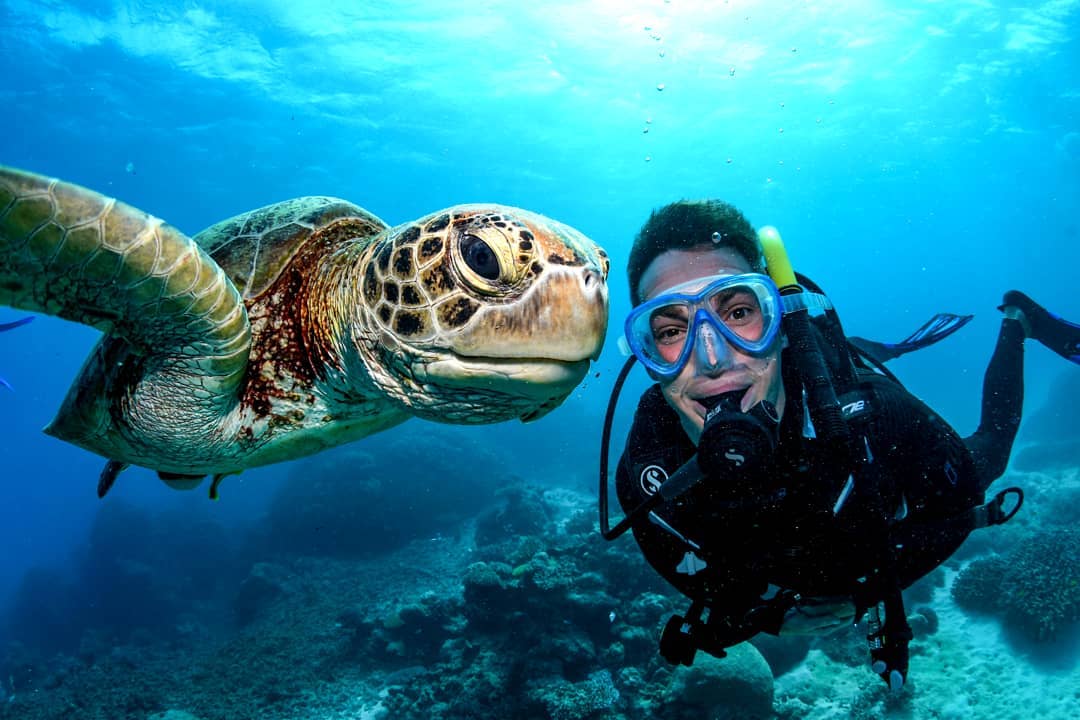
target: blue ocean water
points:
(917, 157)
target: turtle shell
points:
(254, 247)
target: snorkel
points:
(777, 264)
(809, 362)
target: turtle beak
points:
(563, 318)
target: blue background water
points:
(916, 156)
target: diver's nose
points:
(711, 351)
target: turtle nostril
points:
(592, 278)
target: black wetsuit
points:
(779, 529)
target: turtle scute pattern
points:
(73, 253)
(435, 274)
(254, 246)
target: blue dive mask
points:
(745, 310)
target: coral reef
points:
(265, 583)
(978, 586)
(782, 653)
(1062, 506)
(740, 685)
(552, 623)
(1036, 585)
(522, 612)
(565, 700)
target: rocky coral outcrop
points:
(739, 685)
(1036, 585)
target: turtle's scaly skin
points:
(298, 326)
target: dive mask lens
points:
(744, 309)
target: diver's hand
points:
(818, 616)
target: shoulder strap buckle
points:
(994, 513)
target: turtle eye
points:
(480, 258)
(484, 257)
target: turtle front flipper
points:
(76, 254)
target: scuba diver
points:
(777, 474)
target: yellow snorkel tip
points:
(776, 260)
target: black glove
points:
(683, 636)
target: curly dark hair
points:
(688, 224)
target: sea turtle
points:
(298, 326)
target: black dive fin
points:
(936, 328)
(1053, 331)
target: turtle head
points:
(482, 313)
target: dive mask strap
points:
(804, 300)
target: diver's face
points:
(715, 366)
